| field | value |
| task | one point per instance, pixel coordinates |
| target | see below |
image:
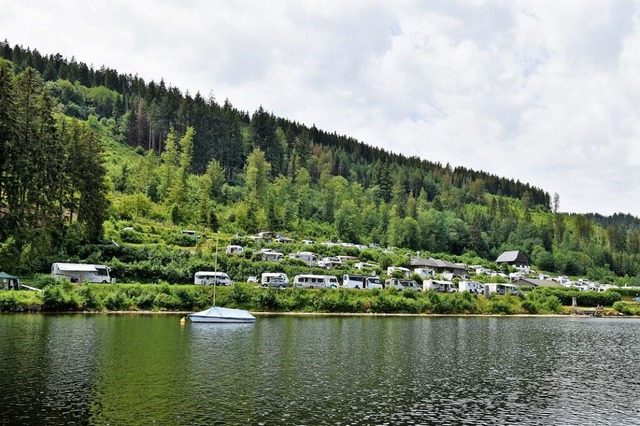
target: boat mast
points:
(215, 272)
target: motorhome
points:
(401, 284)
(80, 272)
(211, 278)
(361, 281)
(347, 259)
(424, 272)
(439, 286)
(499, 288)
(306, 256)
(190, 233)
(405, 271)
(272, 256)
(329, 263)
(234, 249)
(471, 286)
(274, 279)
(316, 281)
(364, 265)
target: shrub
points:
(59, 297)
(88, 299)
(116, 301)
(267, 300)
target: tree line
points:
(52, 177)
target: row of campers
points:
(281, 280)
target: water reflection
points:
(137, 369)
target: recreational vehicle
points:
(329, 263)
(211, 278)
(499, 288)
(401, 284)
(316, 281)
(361, 281)
(439, 286)
(274, 279)
(405, 272)
(364, 265)
(233, 249)
(306, 256)
(471, 286)
(272, 256)
(80, 272)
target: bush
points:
(267, 300)
(60, 297)
(88, 299)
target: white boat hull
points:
(222, 315)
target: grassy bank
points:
(67, 297)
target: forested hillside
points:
(186, 161)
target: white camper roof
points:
(76, 267)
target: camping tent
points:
(9, 282)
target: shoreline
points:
(337, 314)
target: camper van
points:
(211, 278)
(269, 255)
(329, 263)
(233, 249)
(401, 284)
(274, 279)
(80, 272)
(439, 286)
(306, 256)
(471, 287)
(316, 281)
(361, 281)
(405, 272)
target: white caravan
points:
(80, 272)
(234, 249)
(499, 288)
(401, 284)
(361, 281)
(211, 278)
(316, 281)
(274, 279)
(405, 271)
(439, 286)
(471, 287)
(306, 256)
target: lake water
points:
(148, 369)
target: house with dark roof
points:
(535, 283)
(514, 258)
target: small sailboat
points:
(222, 315)
(217, 314)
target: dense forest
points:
(84, 149)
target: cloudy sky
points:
(547, 92)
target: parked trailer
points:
(439, 286)
(80, 272)
(274, 279)
(316, 281)
(211, 278)
(361, 281)
(471, 287)
(401, 284)
(234, 249)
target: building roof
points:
(523, 282)
(436, 263)
(512, 256)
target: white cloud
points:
(540, 91)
